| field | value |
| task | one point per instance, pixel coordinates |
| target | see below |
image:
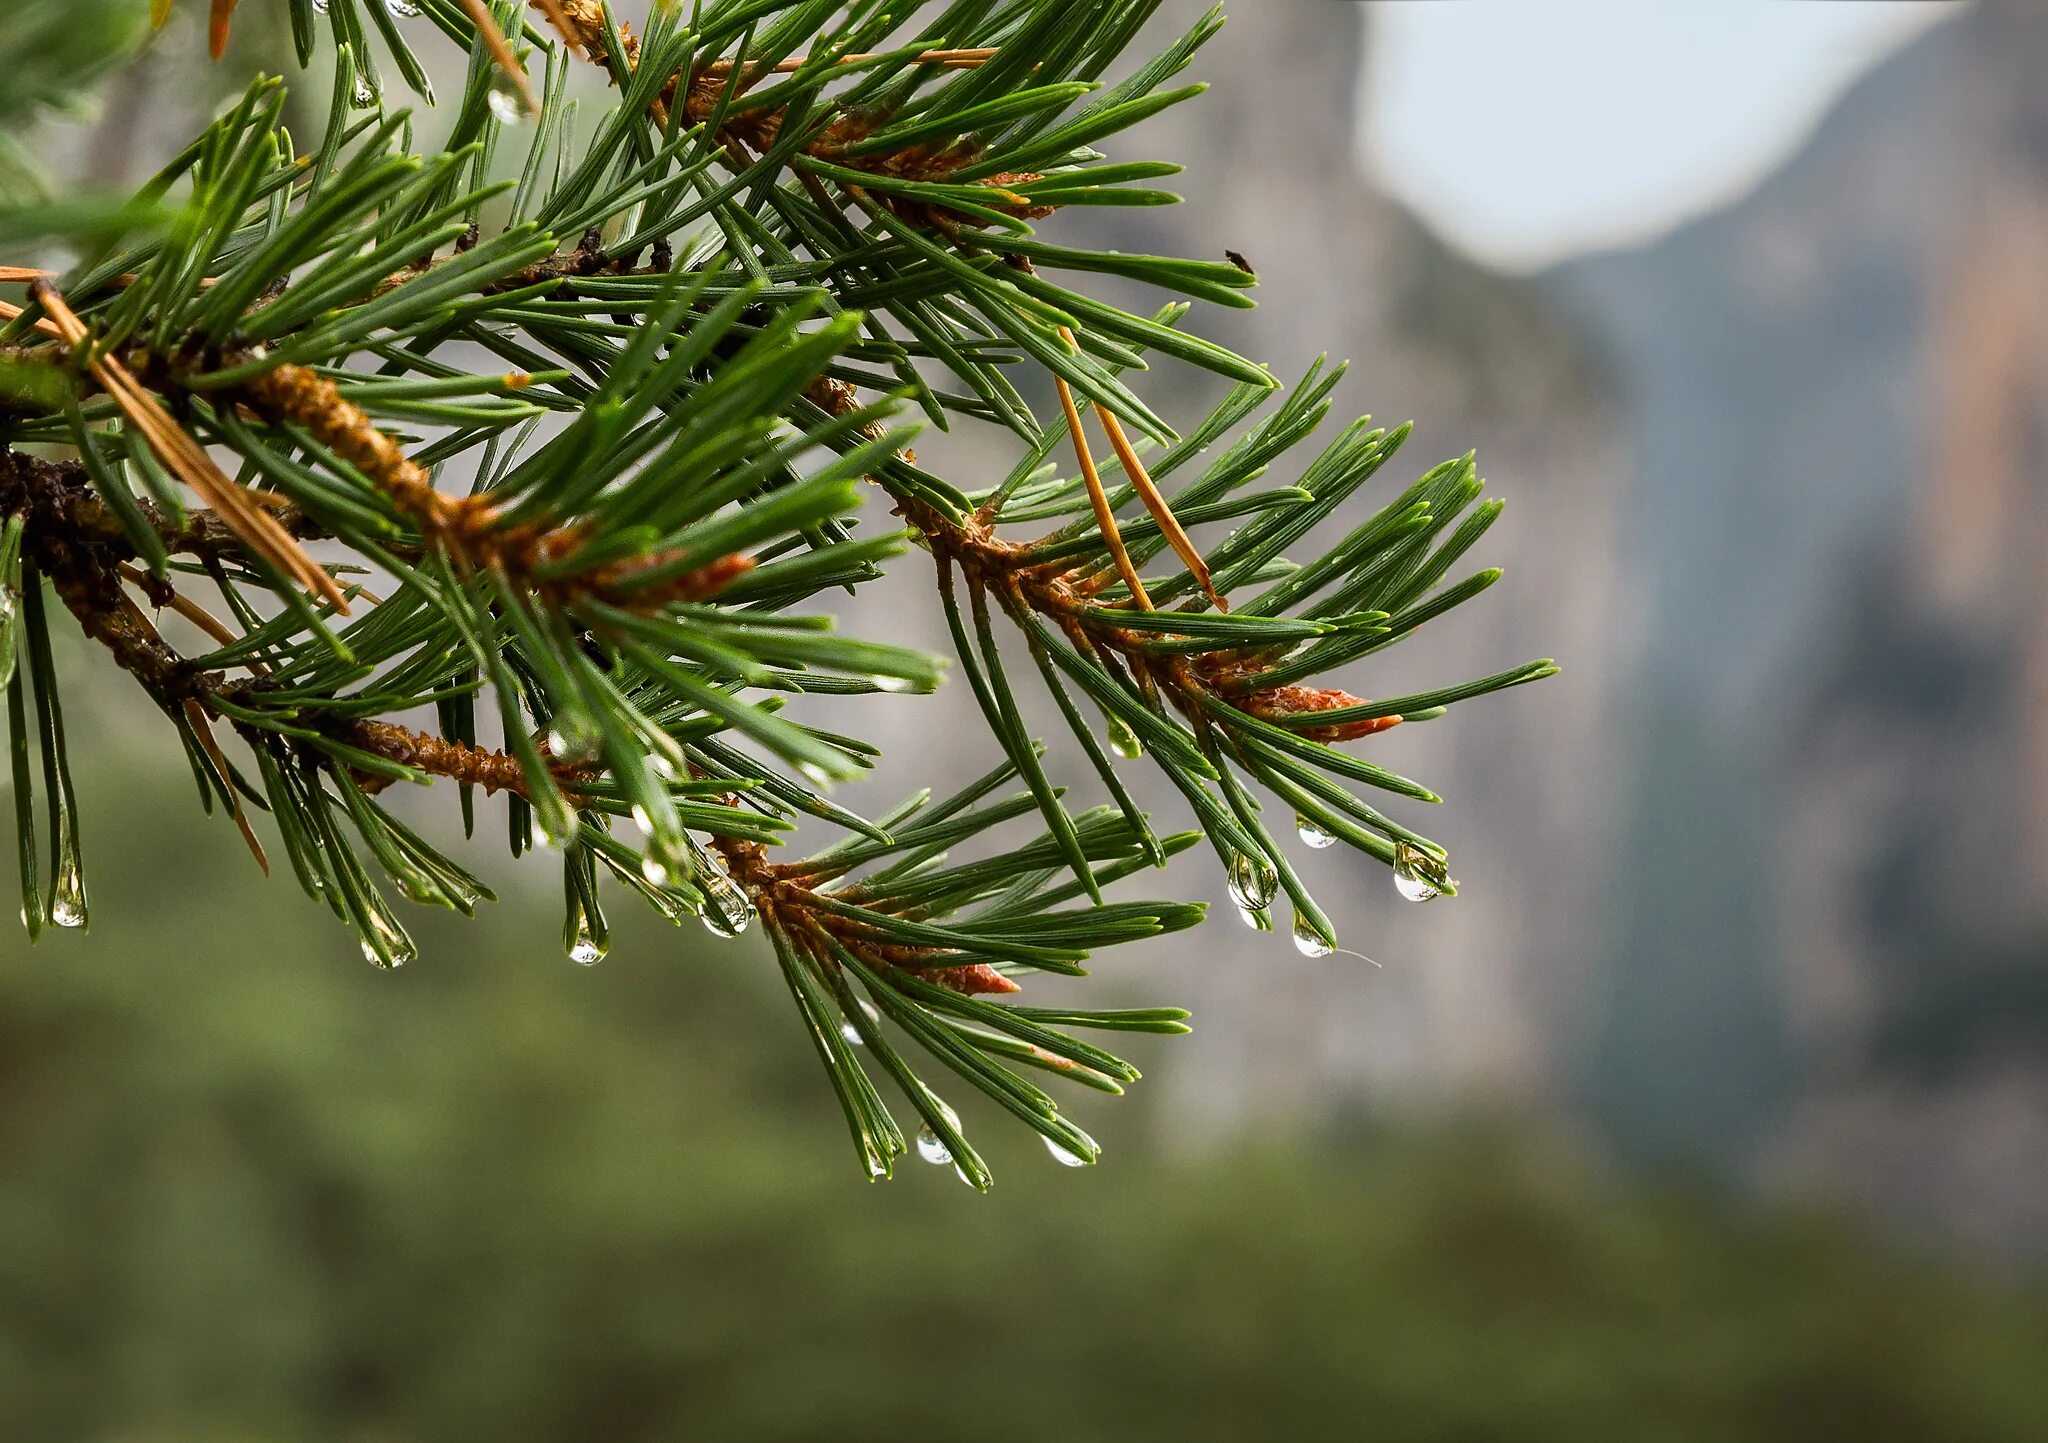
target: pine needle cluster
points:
(523, 451)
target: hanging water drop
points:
(652, 869)
(727, 925)
(67, 896)
(387, 945)
(1313, 833)
(67, 903)
(1252, 883)
(1418, 876)
(1122, 740)
(10, 637)
(400, 9)
(726, 908)
(1309, 942)
(852, 1033)
(553, 824)
(364, 95)
(1062, 1156)
(932, 1148)
(320, 6)
(572, 737)
(508, 106)
(586, 949)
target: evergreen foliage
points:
(672, 351)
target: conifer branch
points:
(672, 357)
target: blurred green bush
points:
(252, 1189)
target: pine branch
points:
(671, 357)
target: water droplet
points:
(403, 9)
(554, 825)
(67, 897)
(586, 949)
(852, 1033)
(656, 874)
(1418, 876)
(507, 104)
(320, 6)
(572, 737)
(466, 892)
(1063, 1157)
(67, 907)
(1122, 740)
(387, 946)
(816, 775)
(966, 1177)
(365, 94)
(726, 908)
(1252, 883)
(1309, 942)
(930, 1146)
(894, 684)
(10, 634)
(641, 820)
(1313, 833)
(663, 767)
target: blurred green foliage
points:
(51, 51)
(251, 1188)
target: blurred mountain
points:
(1832, 939)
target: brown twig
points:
(470, 529)
(1062, 594)
(86, 566)
(186, 459)
(785, 895)
(184, 606)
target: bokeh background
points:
(1715, 1106)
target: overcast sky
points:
(1531, 130)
